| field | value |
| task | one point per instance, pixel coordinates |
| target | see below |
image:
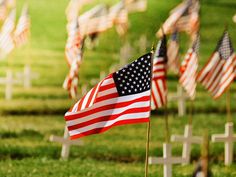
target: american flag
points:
(9, 24)
(118, 16)
(6, 38)
(219, 72)
(73, 8)
(135, 5)
(72, 79)
(159, 89)
(173, 53)
(22, 31)
(188, 70)
(94, 21)
(73, 54)
(73, 45)
(121, 98)
(184, 17)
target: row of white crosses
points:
(188, 139)
(25, 78)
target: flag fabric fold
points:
(188, 69)
(73, 44)
(73, 53)
(22, 30)
(73, 8)
(220, 70)
(185, 17)
(6, 35)
(159, 89)
(121, 98)
(173, 54)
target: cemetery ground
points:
(28, 120)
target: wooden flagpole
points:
(228, 106)
(149, 123)
(205, 154)
(228, 100)
(191, 112)
(147, 146)
(167, 134)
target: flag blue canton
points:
(225, 47)
(135, 77)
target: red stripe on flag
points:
(100, 130)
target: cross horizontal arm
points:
(65, 141)
(174, 97)
(193, 139)
(160, 160)
(219, 138)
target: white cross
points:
(9, 81)
(27, 76)
(167, 160)
(125, 54)
(66, 143)
(181, 97)
(228, 138)
(188, 139)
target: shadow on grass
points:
(24, 133)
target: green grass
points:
(34, 114)
(25, 140)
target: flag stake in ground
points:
(159, 99)
(228, 106)
(149, 123)
(216, 76)
(202, 168)
(167, 134)
(188, 82)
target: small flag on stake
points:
(173, 54)
(6, 35)
(185, 17)
(73, 45)
(159, 89)
(121, 98)
(22, 31)
(219, 72)
(188, 69)
(74, 53)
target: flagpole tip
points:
(152, 49)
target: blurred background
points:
(33, 114)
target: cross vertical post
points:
(66, 143)
(228, 138)
(188, 139)
(167, 160)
